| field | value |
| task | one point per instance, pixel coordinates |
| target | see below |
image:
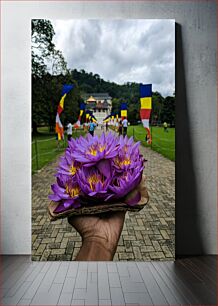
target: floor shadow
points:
(189, 240)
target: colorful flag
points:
(123, 109)
(108, 118)
(90, 116)
(146, 107)
(94, 118)
(87, 117)
(65, 90)
(59, 127)
(61, 104)
(82, 108)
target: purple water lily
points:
(68, 166)
(93, 183)
(99, 169)
(122, 184)
(66, 192)
(91, 149)
(128, 156)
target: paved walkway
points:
(147, 235)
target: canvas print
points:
(103, 140)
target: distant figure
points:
(106, 126)
(120, 128)
(165, 127)
(117, 126)
(125, 125)
(86, 126)
(69, 131)
(92, 126)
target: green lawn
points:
(45, 144)
(162, 142)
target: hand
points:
(100, 234)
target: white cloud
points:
(121, 50)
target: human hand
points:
(100, 234)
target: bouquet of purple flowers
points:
(95, 172)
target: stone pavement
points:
(147, 235)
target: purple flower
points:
(68, 166)
(66, 192)
(98, 169)
(122, 184)
(93, 183)
(91, 149)
(128, 156)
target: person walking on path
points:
(120, 128)
(69, 131)
(92, 126)
(125, 125)
(165, 127)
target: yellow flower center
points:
(92, 151)
(73, 192)
(94, 179)
(126, 161)
(101, 148)
(123, 162)
(73, 169)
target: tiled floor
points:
(189, 281)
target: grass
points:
(45, 144)
(162, 142)
(47, 149)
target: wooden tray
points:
(101, 208)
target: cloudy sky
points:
(121, 51)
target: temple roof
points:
(96, 96)
(91, 99)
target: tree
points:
(57, 63)
(157, 106)
(133, 113)
(129, 93)
(46, 61)
(42, 45)
(116, 102)
(168, 111)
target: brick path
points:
(147, 235)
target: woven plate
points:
(101, 208)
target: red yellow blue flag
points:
(59, 127)
(146, 107)
(82, 109)
(123, 110)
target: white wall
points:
(196, 113)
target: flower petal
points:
(133, 198)
(104, 166)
